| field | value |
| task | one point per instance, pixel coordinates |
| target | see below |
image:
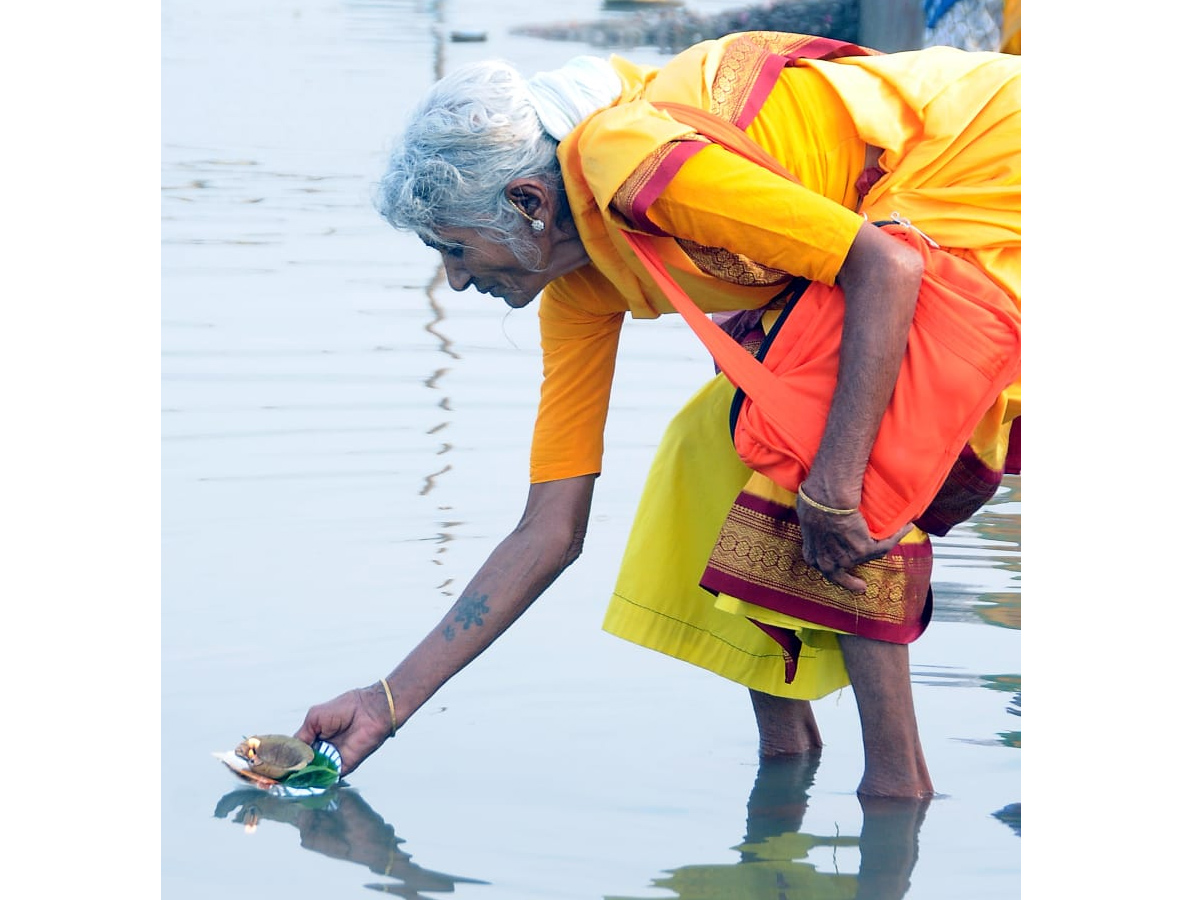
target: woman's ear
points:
(530, 197)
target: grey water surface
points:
(344, 439)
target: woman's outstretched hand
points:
(356, 722)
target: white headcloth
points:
(565, 97)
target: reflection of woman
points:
(340, 824)
(773, 857)
(524, 188)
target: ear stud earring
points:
(536, 224)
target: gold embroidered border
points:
(741, 63)
(732, 267)
(765, 552)
(622, 200)
(715, 261)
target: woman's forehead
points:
(440, 243)
(454, 239)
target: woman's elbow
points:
(555, 543)
(574, 545)
(556, 518)
(878, 263)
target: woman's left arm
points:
(880, 278)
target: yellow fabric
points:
(924, 109)
(961, 193)
(657, 601)
(931, 130)
(720, 199)
(581, 325)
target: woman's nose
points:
(457, 276)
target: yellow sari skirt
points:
(658, 603)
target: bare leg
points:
(895, 763)
(785, 726)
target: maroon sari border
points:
(829, 48)
(816, 48)
(774, 510)
(1012, 463)
(717, 581)
(915, 559)
(657, 183)
(767, 76)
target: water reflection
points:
(341, 825)
(1011, 682)
(772, 858)
(987, 546)
(1010, 816)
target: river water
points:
(344, 439)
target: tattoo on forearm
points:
(467, 612)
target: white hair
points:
(470, 136)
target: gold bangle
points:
(821, 506)
(391, 706)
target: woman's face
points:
(489, 267)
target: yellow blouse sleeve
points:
(580, 316)
(720, 199)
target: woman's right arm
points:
(548, 538)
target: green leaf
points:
(321, 772)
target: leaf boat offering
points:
(285, 766)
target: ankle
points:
(914, 784)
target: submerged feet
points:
(894, 761)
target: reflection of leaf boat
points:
(341, 825)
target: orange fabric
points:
(581, 321)
(965, 329)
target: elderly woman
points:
(525, 188)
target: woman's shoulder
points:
(611, 145)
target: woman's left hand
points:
(834, 544)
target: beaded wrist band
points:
(821, 506)
(391, 706)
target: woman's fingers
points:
(834, 550)
(346, 722)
